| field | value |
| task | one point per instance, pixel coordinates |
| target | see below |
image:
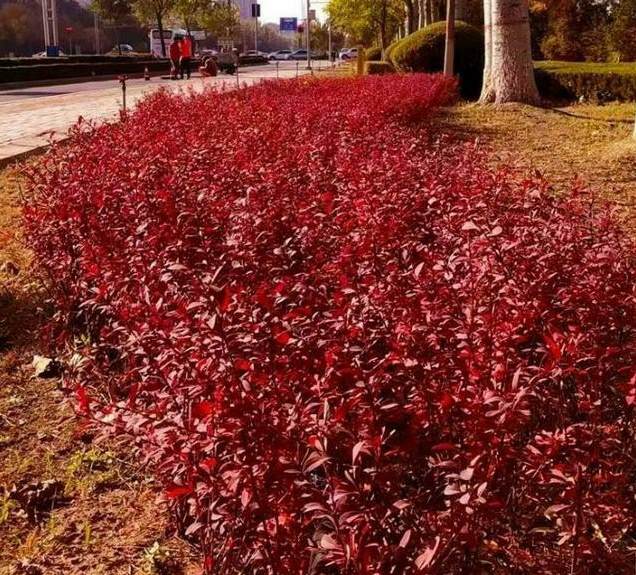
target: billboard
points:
(288, 24)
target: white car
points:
(43, 54)
(280, 55)
(348, 54)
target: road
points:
(31, 117)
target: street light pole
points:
(96, 30)
(45, 22)
(54, 19)
(308, 35)
(255, 10)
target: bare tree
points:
(508, 70)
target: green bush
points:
(373, 54)
(375, 68)
(388, 52)
(595, 82)
(423, 51)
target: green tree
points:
(15, 26)
(190, 12)
(220, 19)
(622, 32)
(154, 11)
(320, 38)
(572, 29)
(367, 21)
(113, 12)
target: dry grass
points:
(585, 142)
(104, 519)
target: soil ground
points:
(72, 504)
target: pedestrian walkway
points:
(31, 118)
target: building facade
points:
(245, 6)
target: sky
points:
(273, 10)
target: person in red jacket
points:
(185, 45)
(175, 60)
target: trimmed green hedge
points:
(81, 59)
(591, 81)
(388, 52)
(423, 51)
(373, 54)
(65, 71)
(378, 68)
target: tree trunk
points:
(508, 71)
(449, 50)
(383, 22)
(460, 9)
(487, 90)
(410, 16)
(428, 11)
(438, 11)
(160, 28)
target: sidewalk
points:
(31, 122)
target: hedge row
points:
(80, 59)
(375, 68)
(346, 346)
(596, 82)
(64, 71)
(373, 54)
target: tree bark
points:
(449, 49)
(410, 16)
(160, 28)
(383, 24)
(428, 8)
(460, 9)
(487, 89)
(508, 70)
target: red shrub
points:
(344, 345)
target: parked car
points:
(123, 49)
(43, 54)
(280, 55)
(207, 53)
(302, 55)
(348, 54)
(254, 53)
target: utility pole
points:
(256, 12)
(98, 47)
(45, 22)
(308, 34)
(49, 19)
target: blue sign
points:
(288, 24)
